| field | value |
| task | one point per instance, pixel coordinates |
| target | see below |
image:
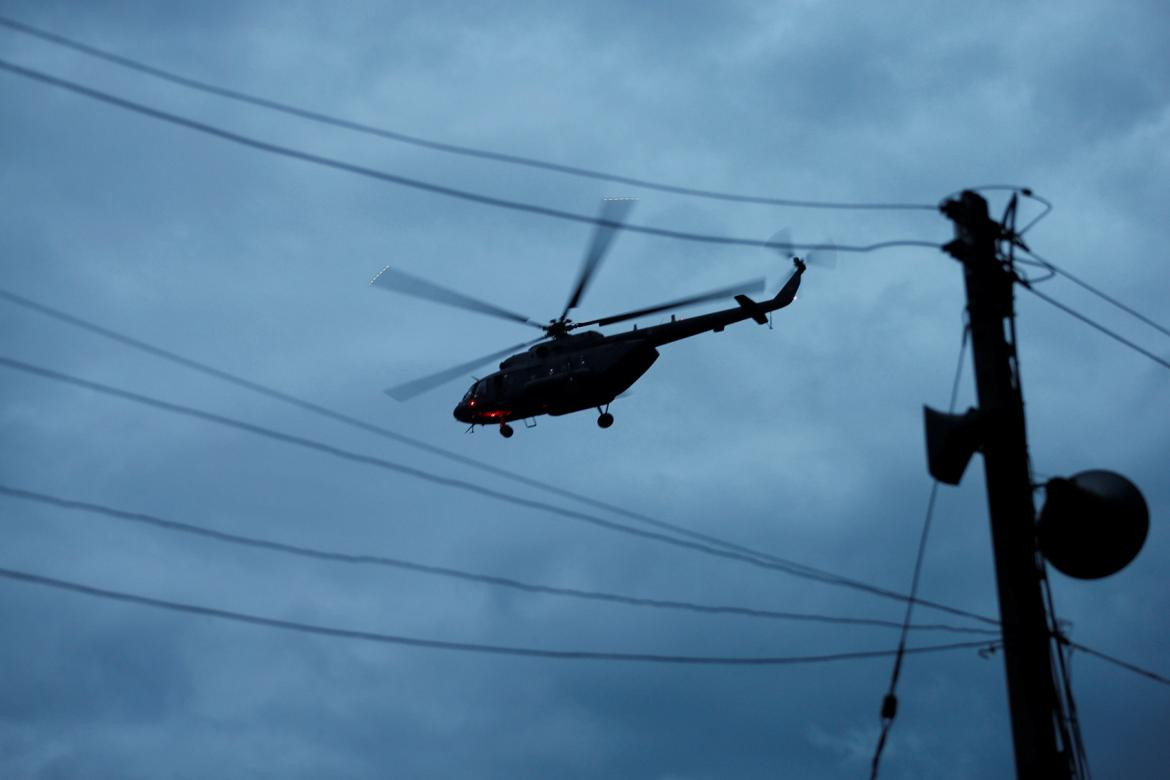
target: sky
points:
(804, 441)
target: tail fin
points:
(788, 292)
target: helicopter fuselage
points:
(589, 370)
(571, 373)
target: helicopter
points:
(563, 370)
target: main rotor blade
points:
(781, 241)
(402, 282)
(743, 288)
(613, 210)
(408, 390)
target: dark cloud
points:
(805, 440)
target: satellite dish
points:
(1092, 524)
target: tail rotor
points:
(822, 255)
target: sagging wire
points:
(1011, 238)
(889, 709)
(442, 644)
(1102, 295)
(1118, 662)
(1065, 703)
(370, 559)
(419, 184)
(1098, 326)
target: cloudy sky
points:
(804, 441)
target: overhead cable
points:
(467, 151)
(1095, 291)
(1123, 664)
(1036, 219)
(382, 463)
(1065, 705)
(468, 647)
(437, 189)
(443, 571)
(269, 392)
(1112, 334)
(890, 702)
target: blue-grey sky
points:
(804, 441)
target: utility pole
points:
(990, 286)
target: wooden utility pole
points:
(1031, 692)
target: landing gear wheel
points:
(605, 420)
(506, 430)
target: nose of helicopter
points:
(462, 412)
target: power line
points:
(469, 647)
(382, 463)
(146, 518)
(1066, 706)
(269, 392)
(393, 135)
(456, 483)
(1098, 326)
(1095, 291)
(1118, 662)
(890, 703)
(378, 430)
(1035, 220)
(443, 571)
(418, 184)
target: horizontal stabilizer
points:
(753, 308)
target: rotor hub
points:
(558, 328)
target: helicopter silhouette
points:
(564, 371)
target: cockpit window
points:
(480, 388)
